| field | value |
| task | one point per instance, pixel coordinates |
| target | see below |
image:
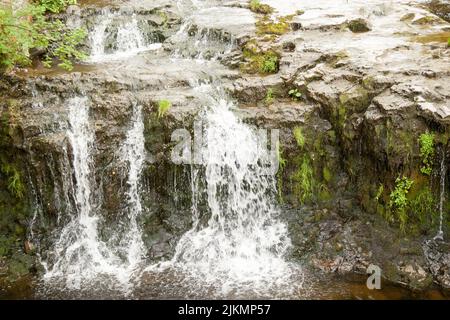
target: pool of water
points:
(168, 286)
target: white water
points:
(130, 40)
(81, 259)
(443, 171)
(243, 245)
(133, 154)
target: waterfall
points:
(243, 244)
(443, 171)
(129, 40)
(133, 154)
(81, 259)
(243, 241)
(80, 254)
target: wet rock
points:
(438, 258)
(359, 25)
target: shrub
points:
(29, 28)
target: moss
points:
(270, 96)
(278, 27)
(259, 61)
(163, 106)
(327, 176)
(358, 26)
(282, 162)
(304, 180)
(257, 7)
(299, 137)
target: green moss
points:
(257, 7)
(282, 162)
(259, 61)
(327, 176)
(358, 25)
(278, 27)
(270, 96)
(163, 107)
(427, 150)
(299, 137)
(423, 208)
(304, 181)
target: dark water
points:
(326, 287)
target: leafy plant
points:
(29, 28)
(15, 185)
(427, 149)
(270, 96)
(305, 181)
(398, 201)
(299, 137)
(295, 94)
(56, 6)
(163, 106)
(269, 64)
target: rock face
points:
(357, 85)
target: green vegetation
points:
(304, 178)
(398, 200)
(163, 106)
(269, 64)
(257, 7)
(295, 94)
(55, 6)
(379, 193)
(267, 26)
(423, 206)
(259, 61)
(282, 162)
(426, 141)
(299, 137)
(270, 96)
(448, 42)
(14, 180)
(30, 30)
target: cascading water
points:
(443, 171)
(79, 253)
(133, 153)
(129, 40)
(81, 259)
(243, 245)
